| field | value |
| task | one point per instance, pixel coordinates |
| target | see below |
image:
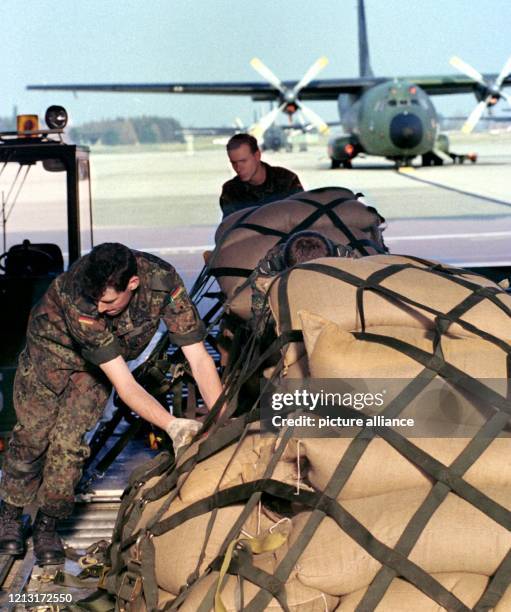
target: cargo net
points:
(245, 237)
(253, 522)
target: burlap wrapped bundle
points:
(245, 237)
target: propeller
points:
(289, 100)
(491, 91)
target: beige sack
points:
(382, 469)
(458, 538)
(177, 551)
(401, 596)
(234, 465)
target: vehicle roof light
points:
(56, 117)
(27, 123)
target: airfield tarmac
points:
(165, 201)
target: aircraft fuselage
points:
(394, 119)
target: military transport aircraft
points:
(388, 117)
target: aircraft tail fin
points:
(363, 46)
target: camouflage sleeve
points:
(98, 344)
(181, 317)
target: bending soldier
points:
(93, 318)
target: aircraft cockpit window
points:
(415, 102)
(392, 103)
(404, 102)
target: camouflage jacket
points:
(279, 184)
(66, 334)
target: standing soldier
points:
(93, 318)
(256, 182)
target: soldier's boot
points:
(48, 546)
(12, 541)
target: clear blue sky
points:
(185, 40)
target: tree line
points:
(128, 131)
(119, 131)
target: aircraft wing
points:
(436, 85)
(321, 89)
(327, 89)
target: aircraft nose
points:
(406, 130)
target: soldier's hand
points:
(182, 431)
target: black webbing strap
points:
(498, 585)
(263, 230)
(154, 467)
(224, 271)
(327, 209)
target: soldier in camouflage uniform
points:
(93, 318)
(257, 182)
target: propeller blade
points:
(267, 74)
(467, 69)
(474, 117)
(318, 65)
(259, 128)
(506, 69)
(315, 119)
(301, 120)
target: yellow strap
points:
(263, 544)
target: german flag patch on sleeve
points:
(177, 293)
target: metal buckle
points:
(131, 587)
(136, 556)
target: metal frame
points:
(34, 149)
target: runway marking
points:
(503, 234)
(470, 194)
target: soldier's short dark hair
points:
(240, 139)
(108, 265)
(307, 245)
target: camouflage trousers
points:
(46, 452)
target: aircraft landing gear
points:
(335, 163)
(431, 159)
(460, 159)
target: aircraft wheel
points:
(347, 164)
(334, 164)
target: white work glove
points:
(181, 432)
